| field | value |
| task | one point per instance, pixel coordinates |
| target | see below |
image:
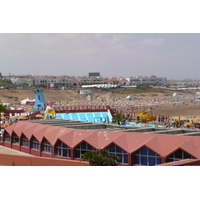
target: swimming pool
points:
(139, 125)
(98, 117)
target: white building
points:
(144, 80)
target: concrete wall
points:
(35, 152)
(16, 147)
(25, 149)
(7, 144)
(21, 160)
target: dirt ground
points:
(74, 97)
(15, 96)
(189, 111)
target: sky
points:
(114, 38)
(171, 55)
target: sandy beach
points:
(160, 101)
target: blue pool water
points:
(139, 125)
(99, 117)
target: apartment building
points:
(75, 81)
(145, 80)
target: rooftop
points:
(111, 127)
(130, 139)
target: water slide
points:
(49, 112)
(144, 117)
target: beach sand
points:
(72, 97)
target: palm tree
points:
(100, 157)
(3, 108)
(118, 118)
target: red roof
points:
(113, 79)
(83, 77)
(32, 77)
(50, 77)
(123, 79)
(162, 144)
(73, 79)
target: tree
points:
(100, 157)
(118, 118)
(3, 108)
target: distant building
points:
(95, 78)
(144, 80)
(94, 73)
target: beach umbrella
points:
(22, 117)
(144, 125)
(189, 124)
(13, 117)
(4, 126)
(196, 119)
(40, 116)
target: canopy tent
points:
(27, 100)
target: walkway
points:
(11, 151)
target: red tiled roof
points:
(28, 130)
(113, 79)
(50, 77)
(162, 144)
(123, 79)
(83, 77)
(73, 79)
(32, 77)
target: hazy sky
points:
(168, 55)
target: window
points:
(7, 137)
(46, 146)
(15, 139)
(35, 144)
(82, 148)
(178, 155)
(146, 156)
(62, 149)
(25, 141)
(115, 150)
